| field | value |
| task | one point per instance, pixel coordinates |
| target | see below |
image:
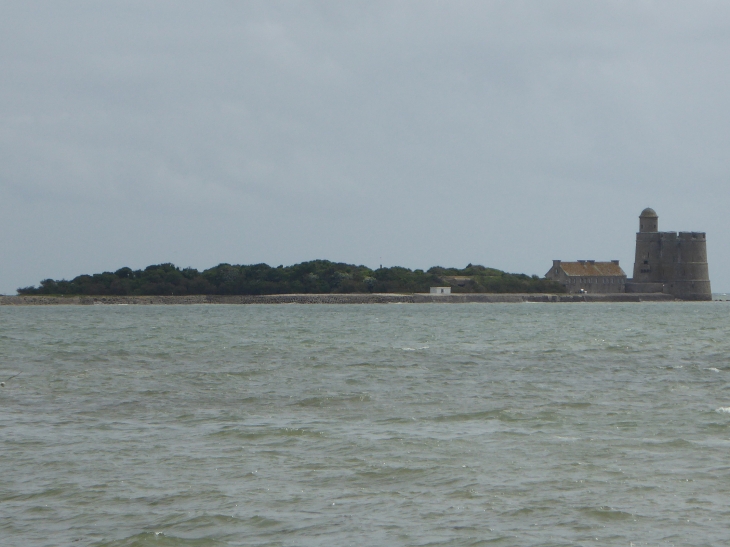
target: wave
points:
(334, 400)
(606, 513)
(160, 539)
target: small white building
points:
(440, 290)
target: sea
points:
(386, 424)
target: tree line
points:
(316, 276)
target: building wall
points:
(643, 287)
(594, 284)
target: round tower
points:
(691, 279)
(648, 220)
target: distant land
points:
(313, 277)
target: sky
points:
(410, 133)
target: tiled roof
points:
(587, 269)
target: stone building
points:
(670, 262)
(588, 276)
(665, 262)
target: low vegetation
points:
(317, 276)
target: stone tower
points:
(670, 262)
(647, 263)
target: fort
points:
(665, 262)
(668, 266)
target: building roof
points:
(592, 269)
(648, 212)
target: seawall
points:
(379, 298)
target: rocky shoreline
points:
(380, 298)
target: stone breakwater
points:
(379, 298)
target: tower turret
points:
(647, 261)
(648, 220)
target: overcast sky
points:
(403, 133)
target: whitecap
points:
(408, 349)
(723, 409)
(713, 369)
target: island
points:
(312, 277)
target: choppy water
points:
(515, 424)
